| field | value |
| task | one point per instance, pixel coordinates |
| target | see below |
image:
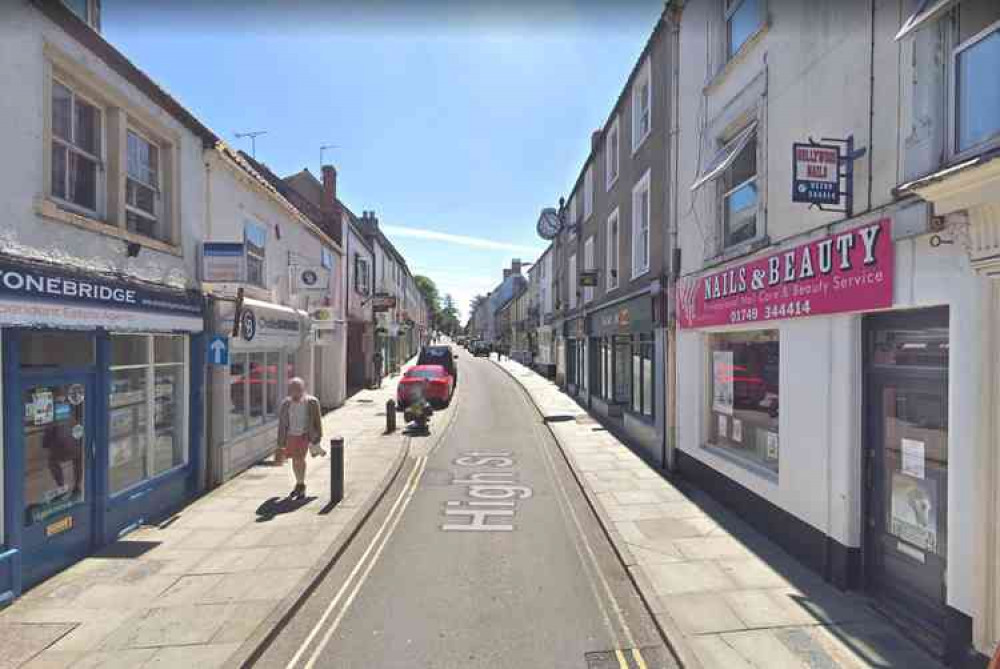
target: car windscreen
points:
(423, 374)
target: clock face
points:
(549, 224)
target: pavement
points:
(483, 554)
(208, 585)
(722, 593)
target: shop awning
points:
(725, 157)
(927, 11)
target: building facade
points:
(610, 260)
(832, 365)
(101, 316)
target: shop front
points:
(102, 418)
(274, 343)
(577, 371)
(829, 393)
(624, 365)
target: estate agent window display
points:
(744, 401)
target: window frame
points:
(953, 115)
(612, 158)
(588, 192)
(151, 366)
(729, 9)
(751, 462)
(722, 193)
(641, 186)
(588, 265)
(157, 188)
(70, 146)
(612, 250)
(361, 287)
(268, 418)
(248, 224)
(119, 113)
(644, 76)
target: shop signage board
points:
(636, 315)
(588, 279)
(844, 272)
(816, 173)
(312, 279)
(383, 302)
(223, 262)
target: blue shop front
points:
(102, 395)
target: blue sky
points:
(455, 122)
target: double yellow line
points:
(623, 660)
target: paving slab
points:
(723, 594)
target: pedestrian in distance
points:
(300, 430)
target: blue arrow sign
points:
(218, 350)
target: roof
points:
(661, 23)
(78, 29)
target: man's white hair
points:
(297, 381)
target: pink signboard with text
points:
(848, 271)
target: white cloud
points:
(461, 240)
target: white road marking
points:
(361, 563)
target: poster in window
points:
(772, 445)
(722, 387)
(44, 407)
(913, 513)
(737, 430)
(913, 458)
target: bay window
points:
(147, 407)
(744, 404)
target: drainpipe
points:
(670, 422)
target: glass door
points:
(57, 439)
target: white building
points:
(102, 203)
(275, 338)
(835, 371)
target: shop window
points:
(743, 414)
(51, 350)
(255, 389)
(977, 86)
(77, 150)
(642, 376)
(622, 369)
(147, 407)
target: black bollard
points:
(390, 417)
(336, 470)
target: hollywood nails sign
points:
(849, 271)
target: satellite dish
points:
(549, 224)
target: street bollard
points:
(390, 417)
(336, 470)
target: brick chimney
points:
(329, 206)
(515, 266)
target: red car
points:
(433, 380)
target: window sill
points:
(638, 274)
(52, 211)
(642, 140)
(751, 466)
(738, 58)
(738, 251)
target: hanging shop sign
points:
(848, 271)
(266, 324)
(223, 262)
(35, 295)
(816, 173)
(588, 279)
(313, 279)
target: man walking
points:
(300, 429)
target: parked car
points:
(440, 355)
(481, 349)
(434, 381)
